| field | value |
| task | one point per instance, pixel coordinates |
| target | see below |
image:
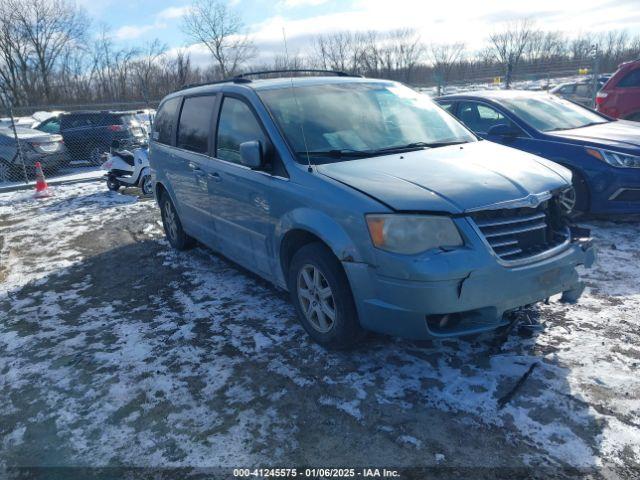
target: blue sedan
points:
(602, 153)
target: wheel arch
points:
(305, 226)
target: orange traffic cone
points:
(42, 189)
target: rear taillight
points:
(116, 128)
(600, 97)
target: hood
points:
(29, 134)
(617, 134)
(450, 179)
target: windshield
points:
(360, 118)
(547, 113)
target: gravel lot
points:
(116, 350)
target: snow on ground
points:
(67, 175)
(115, 349)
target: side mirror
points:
(503, 130)
(251, 154)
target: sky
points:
(135, 22)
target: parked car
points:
(35, 145)
(602, 153)
(375, 208)
(89, 134)
(620, 96)
(579, 92)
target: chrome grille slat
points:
(510, 221)
(517, 234)
(514, 231)
(504, 244)
(510, 253)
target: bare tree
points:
(444, 57)
(147, 64)
(221, 30)
(338, 51)
(49, 26)
(509, 45)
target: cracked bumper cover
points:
(400, 307)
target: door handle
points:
(193, 166)
(215, 176)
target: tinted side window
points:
(237, 124)
(632, 79)
(195, 123)
(480, 118)
(51, 126)
(583, 90)
(164, 125)
(448, 106)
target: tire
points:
(343, 331)
(112, 183)
(146, 185)
(173, 230)
(581, 194)
(9, 172)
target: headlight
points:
(410, 234)
(615, 159)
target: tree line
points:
(49, 57)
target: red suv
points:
(620, 96)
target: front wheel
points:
(146, 185)
(580, 194)
(322, 296)
(172, 226)
(112, 183)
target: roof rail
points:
(301, 70)
(202, 84)
(242, 77)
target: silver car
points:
(36, 146)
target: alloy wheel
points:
(147, 185)
(568, 200)
(170, 221)
(316, 298)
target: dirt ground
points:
(117, 350)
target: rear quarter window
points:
(631, 79)
(165, 121)
(195, 123)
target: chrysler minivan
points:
(375, 208)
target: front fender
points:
(322, 226)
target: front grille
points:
(516, 234)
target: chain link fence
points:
(72, 139)
(67, 140)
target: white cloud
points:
(469, 21)
(131, 32)
(302, 3)
(173, 12)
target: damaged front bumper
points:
(477, 294)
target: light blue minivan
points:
(372, 206)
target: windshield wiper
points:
(417, 146)
(336, 153)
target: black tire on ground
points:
(582, 193)
(145, 185)
(112, 183)
(9, 172)
(345, 330)
(173, 230)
